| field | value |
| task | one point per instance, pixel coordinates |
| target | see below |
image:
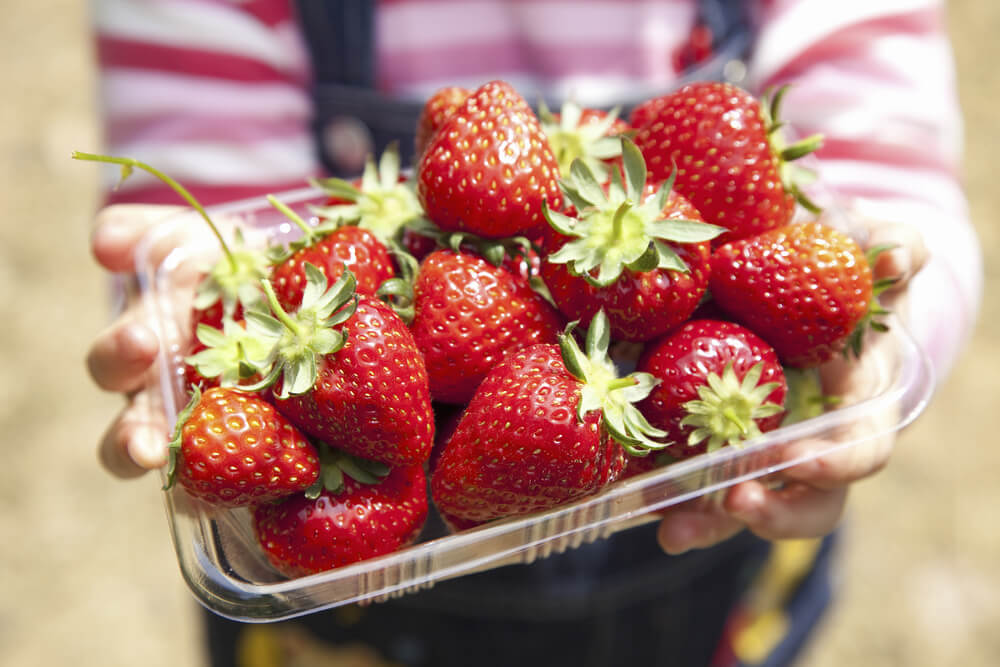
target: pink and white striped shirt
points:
(215, 93)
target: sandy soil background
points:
(87, 572)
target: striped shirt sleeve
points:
(877, 79)
(212, 92)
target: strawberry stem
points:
(128, 164)
(307, 231)
(280, 313)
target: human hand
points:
(121, 358)
(809, 498)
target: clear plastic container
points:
(229, 574)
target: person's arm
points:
(876, 79)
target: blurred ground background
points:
(87, 571)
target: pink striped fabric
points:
(215, 93)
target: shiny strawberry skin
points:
(716, 135)
(437, 109)
(489, 168)
(802, 288)
(236, 450)
(349, 246)
(639, 305)
(469, 314)
(371, 398)
(519, 447)
(682, 362)
(300, 536)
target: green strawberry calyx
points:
(233, 354)
(334, 464)
(621, 228)
(872, 317)
(382, 203)
(174, 446)
(234, 278)
(604, 390)
(727, 408)
(298, 340)
(570, 140)
(793, 177)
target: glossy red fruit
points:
(489, 168)
(436, 110)
(233, 449)
(302, 536)
(346, 247)
(806, 289)
(730, 164)
(468, 315)
(719, 384)
(369, 395)
(636, 250)
(546, 426)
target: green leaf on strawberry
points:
(622, 228)
(603, 390)
(727, 408)
(298, 338)
(582, 134)
(383, 202)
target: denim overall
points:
(619, 601)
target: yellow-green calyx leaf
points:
(382, 204)
(727, 408)
(234, 279)
(604, 390)
(571, 140)
(300, 339)
(621, 228)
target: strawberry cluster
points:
(548, 302)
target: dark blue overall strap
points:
(341, 39)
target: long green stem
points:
(130, 163)
(293, 216)
(278, 311)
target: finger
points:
(689, 527)
(136, 441)
(119, 229)
(837, 467)
(906, 253)
(793, 511)
(121, 355)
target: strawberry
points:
(806, 289)
(436, 110)
(727, 149)
(356, 516)
(720, 384)
(489, 168)
(586, 134)
(641, 258)
(332, 248)
(547, 426)
(347, 372)
(233, 449)
(469, 313)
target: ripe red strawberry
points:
(719, 384)
(351, 377)
(804, 288)
(730, 159)
(641, 258)
(345, 523)
(437, 109)
(586, 134)
(547, 426)
(489, 168)
(233, 449)
(468, 315)
(332, 249)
